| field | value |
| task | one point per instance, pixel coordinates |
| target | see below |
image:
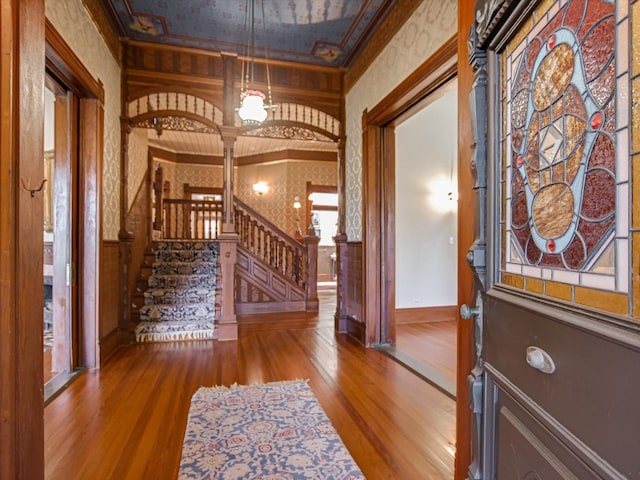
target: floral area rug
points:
(274, 431)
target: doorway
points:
(322, 215)
(436, 75)
(426, 238)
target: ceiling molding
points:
(395, 19)
(104, 24)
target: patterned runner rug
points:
(273, 431)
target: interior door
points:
(557, 337)
(61, 238)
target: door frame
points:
(378, 185)
(21, 214)
(62, 63)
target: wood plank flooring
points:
(127, 420)
(433, 344)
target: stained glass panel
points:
(562, 124)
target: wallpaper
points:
(137, 165)
(73, 22)
(198, 176)
(286, 179)
(432, 23)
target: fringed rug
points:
(274, 431)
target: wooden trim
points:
(378, 181)
(21, 149)
(288, 154)
(426, 314)
(66, 65)
(466, 234)
(218, 160)
(437, 70)
(189, 189)
(105, 26)
(91, 151)
(218, 54)
(397, 17)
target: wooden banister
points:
(270, 244)
(191, 219)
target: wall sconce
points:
(297, 206)
(260, 187)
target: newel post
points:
(227, 326)
(311, 241)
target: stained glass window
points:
(564, 174)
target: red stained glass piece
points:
(551, 42)
(520, 160)
(596, 120)
(551, 245)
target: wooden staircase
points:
(272, 269)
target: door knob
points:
(540, 360)
(466, 312)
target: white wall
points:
(426, 216)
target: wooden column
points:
(227, 325)
(311, 282)
(125, 237)
(158, 195)
(228, 140)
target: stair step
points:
(184, 268)
(185, 245)
(186, 256)
(162, 313)
(176, 330)
(182, 281)
(179, 296)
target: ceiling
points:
(320, 32)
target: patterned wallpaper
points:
(286, 180)
(432, 23)
(138, 146)
(198, 176)
(72, 21)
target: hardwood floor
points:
(432, 344)
(127, 420)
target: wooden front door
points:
(555, 257)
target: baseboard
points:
(356, 330)
(426, 314)
(110, 343)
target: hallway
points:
(127, 420)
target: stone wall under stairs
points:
(180, 301)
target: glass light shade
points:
(260, 187)
(252, 109)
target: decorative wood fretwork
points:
(288, 132)
(176, 110)
(170, 122)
